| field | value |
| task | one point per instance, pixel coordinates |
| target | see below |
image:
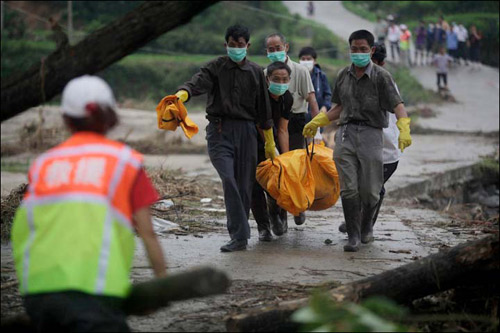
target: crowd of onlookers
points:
(460, 43)
(439, 44)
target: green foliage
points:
(411, 90)
(375, 314)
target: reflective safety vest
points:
(73, 230)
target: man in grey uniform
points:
(362, 94)
(237, 100)
(302, 90)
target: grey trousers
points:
(233, 153)
(358, 157)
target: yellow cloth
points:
(269, 145)
(171, 112)
(298, 183)
(404, 139)
(312, 127)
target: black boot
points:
(342, 228)
(274, 217)
(367, 224)
(352, 212)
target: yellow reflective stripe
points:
(106, 241)
(80, 197)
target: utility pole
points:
(70, 21)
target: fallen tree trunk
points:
(152, 295)
(47, 78)
(469, 263)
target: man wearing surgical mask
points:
(267, 213)
(362, 94)
(302, 90)
(309, 58)
(237, 100)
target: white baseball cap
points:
(403, 27)
(82, 91)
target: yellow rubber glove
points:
(183, 95)
(312, 127)
(404, 139)
(269, 145)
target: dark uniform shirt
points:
(281, 108)
(236, 92)
(367, 98)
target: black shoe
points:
(265, 235)
(299, 220)
(276, 224)
(234, 245)
(342, 228)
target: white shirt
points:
(393, 33)
(391, 152)
(462, 33)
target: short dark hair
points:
(100, 121)
(236, 31)
(380, 52)
(277, 65)
(362, 34)
(276, 34)
(308, 51)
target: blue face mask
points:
(277, 56)
(236, 54)
(360, 59)
(278, 89)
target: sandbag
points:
(301, 179)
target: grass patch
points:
(411, 90)
(360, 9)
(17, 167)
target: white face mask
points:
(308, 63)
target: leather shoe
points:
(234, 245)
(265, 235)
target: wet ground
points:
(309, 254)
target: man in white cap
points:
(73, 235)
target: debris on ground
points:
(9, 207)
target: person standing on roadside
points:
(405, 45)
(362, 95)
(430, 43)
(237, 100)
(302, 90)
(391, 152)
(442, 61)
(265, 211)
(420, 42)
(475, 46)
(462, 36)
(380, 29)
(452, 43)
(73, 235)
(394, 35)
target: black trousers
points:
(232, 148)
(259, 205)
(73, 311)
(295, 127)
(444, 76)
